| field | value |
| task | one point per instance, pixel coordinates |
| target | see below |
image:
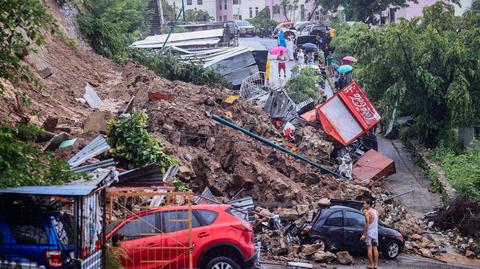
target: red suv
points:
(160, 238)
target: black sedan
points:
(340, 228)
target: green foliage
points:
(462, 169)
(262, 20)
(426, 68)
(111, 26)
(181, 186)
(171, 67)
(346, 38)
(362, 11)
(20, 24)
(197, 15)
(23, 164)
(168, 12)
(305, 85)
(132, 144)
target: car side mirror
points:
(117, 238)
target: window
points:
(207, 216)
(225, 17)
(276, 9)
(225, 2)
(177, 220)
(335, 219)
(189, 2)
(28, 231)
(302, 12)
(200, 2)
(240, 17)
(250, 11)
(354, 219)
(256, 11)
(220, 6)
(236, 2)
(142, 226)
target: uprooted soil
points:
(226, 160)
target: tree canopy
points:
(427, 68)
(357, 10)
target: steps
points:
(155, 26)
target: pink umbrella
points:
(277, 50)
(349, 59)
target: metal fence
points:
(149, 229)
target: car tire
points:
(392, 250)
(222, 262)
(324, 246)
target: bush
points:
(462, 214)
(462, 169)
(133, 145)
(172, 67)
(305, 85)
(20, 24)
(23, 164)
(111, 26)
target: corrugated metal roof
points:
(177, 37)
(149, 175)
(94, 148)
(91, 167)
(77, 188)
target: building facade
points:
(416, 10)
(209, 6)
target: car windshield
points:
(243, 23)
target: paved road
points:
(402, 262)
(408, 176)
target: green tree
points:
(285, 4)
(363, 11)
(305, 85)
(20, 24)
(197, 15)
(262, 20)
(426, 68)
(111, 26)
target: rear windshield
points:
(28, 230)
(243, 23)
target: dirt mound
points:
(226, 160)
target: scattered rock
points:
(470, 254)
(344, 258)
(325, 257)
(309, 250)
(287, 213)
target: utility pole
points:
(160, 12)
(183, 10)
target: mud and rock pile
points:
(211, 154)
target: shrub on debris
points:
(305, 85)
(132, 144)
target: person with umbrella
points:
(281, 39)
(282, 58)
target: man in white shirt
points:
(370, 233)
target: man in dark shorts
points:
(282, 58)
(370, 233)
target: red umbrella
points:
(277, 50)
(350, 59)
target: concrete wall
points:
(246, 9)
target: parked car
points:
(299, 26)
(340, 228)
(220, 239)
(36, 240)
(245, 28)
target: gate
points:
(149, 228)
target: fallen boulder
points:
(325, 257)
(344, 258)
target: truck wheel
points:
(222, 262)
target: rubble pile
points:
(213, 155)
